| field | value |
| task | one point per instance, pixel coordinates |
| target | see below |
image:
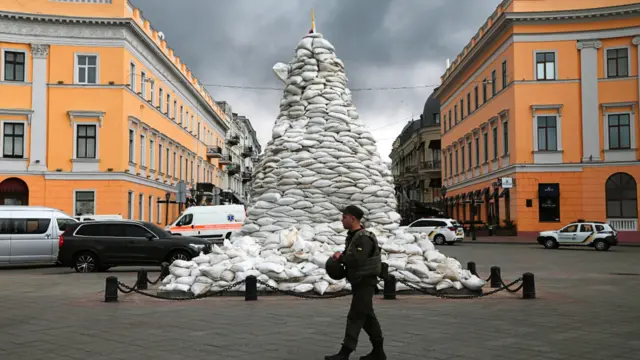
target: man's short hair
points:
(354, 211)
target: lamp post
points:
(167, 197)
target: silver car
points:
(29, 234)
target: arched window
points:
(14, 191)
(622, 196)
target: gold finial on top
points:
(313, 21)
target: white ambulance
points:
(216, 222)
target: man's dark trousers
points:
(361, 316)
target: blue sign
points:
(230, 217)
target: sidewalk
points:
(625, 239)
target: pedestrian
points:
(362, 260)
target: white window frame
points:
(143, 150)
(505, 143)
(168, 104)
(606, 63)
(26, 63)
(495, 143)
(175, 109)
(132, 147)
(152, 153)
(182, 115)
(95, 199)
(152, 92)
(160, 156)
(632, 130)
(168, 161)
(143, 84)
(535, 65)
(133, 71)
(150, 205)
(76, 68)
(558, 116)
(160, 99)
(158, 211)
(24, 139)
(175, 162)
(75, 139)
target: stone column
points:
(38, 141)
(589, 89)
(636, 42)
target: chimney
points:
(448, 63)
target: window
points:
(468, 104)
(169, 105)
(152, 155)
(86, 142)
(470, 149)
(545, 66)
(152, 94)
(505, 138)
(477, 151)
(547, 133)
(475, 97)
(143, 152)
(181, 114)
(64, 223)
(570, 229)
(445, 123)
(168, 169)
(495, 142)
(462, 109)
(132, 76)
(175, 109)
(158, 211)
(457, 167)
(455, 112)
(198, 130)
(450, 164)
(30, 226)
(150, 209)
(160, 99)
(85, 202)
(13, 140)
(621, 192)
(143, 85)
(484, 90)
(132, 141)
(450, 118)
(136, 231)
(191, 169)
(87, 69)
(91, 230)
(493, 83)
(140, 207)
(175, 164)
(14, 65)
(185, 220)
(462, 158)
(619, 132)
(180, 166)
(445, 168)
(160, 158)
(130, 205)
(504, 74)
(617, 63)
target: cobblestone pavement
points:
(587, 308)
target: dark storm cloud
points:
(384, 43)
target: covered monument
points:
(321, 158)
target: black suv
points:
(97, 246)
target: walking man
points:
(362, 260)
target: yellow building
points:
(97, 113)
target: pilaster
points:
(589, 91)
(636, 42)
(38, 141)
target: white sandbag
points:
(458, 285)
(245, 265)
(419, 269)
(200, 288)
(473, 283)
(201, 259)
(168, 279)
(184, 264)
(227, 275)
(433, 279)
(426, 245)
(294, 272)
(412, 249)
(187, 280)
(265, 267)
(303, 288)
(204, 280)
(320, 259)
(217, 258)
(196, 272)
(434, 256)
(410, 277)
(179, 271)
(320, 287)
(444, 284)
(396, 264)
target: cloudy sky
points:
(383, 43)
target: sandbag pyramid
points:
(320, 159)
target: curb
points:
(529, 243)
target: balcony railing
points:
(430, 165)
(246, 175)
(623, 224)
(214, 152)
(225, 160)
(247, 151)
(233, 140)
(233, 169)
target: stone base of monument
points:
(188, 294)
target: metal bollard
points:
(389, 292)
(496, 277)
(471, 266)
(251, 288)
(528, 286)
(141, 281)
(164, 270)
(111, 289)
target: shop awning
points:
(504, 192)
(434, 144)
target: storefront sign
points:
(507, 182)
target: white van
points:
(210, 222)
(85, 218)
(29, 234)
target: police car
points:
(596, 234)
(440, 231)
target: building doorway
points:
(14, 191)
(621, 191)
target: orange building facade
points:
(539, 117)
(97, 113)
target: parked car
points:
(99, 245)
(440, 231)
(596, 234)
(216, 222)
(28, 234)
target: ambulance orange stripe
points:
(233, 226)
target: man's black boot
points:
(377, 353)
(343, 354)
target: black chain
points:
(128, 289)
(506, 287)
(303, 296)
(474, 296)
(157, 280)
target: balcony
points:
(247, 151)
(623, 224)
(225, 160)
(246, 175)
(214, 152)
(233, 169)
(426, 166)
(233, 140)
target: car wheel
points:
(550, 243)
(439, 239)
(85, 262)
(601, 245)
(178, 255)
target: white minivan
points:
(216, 222)
(29, 234)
